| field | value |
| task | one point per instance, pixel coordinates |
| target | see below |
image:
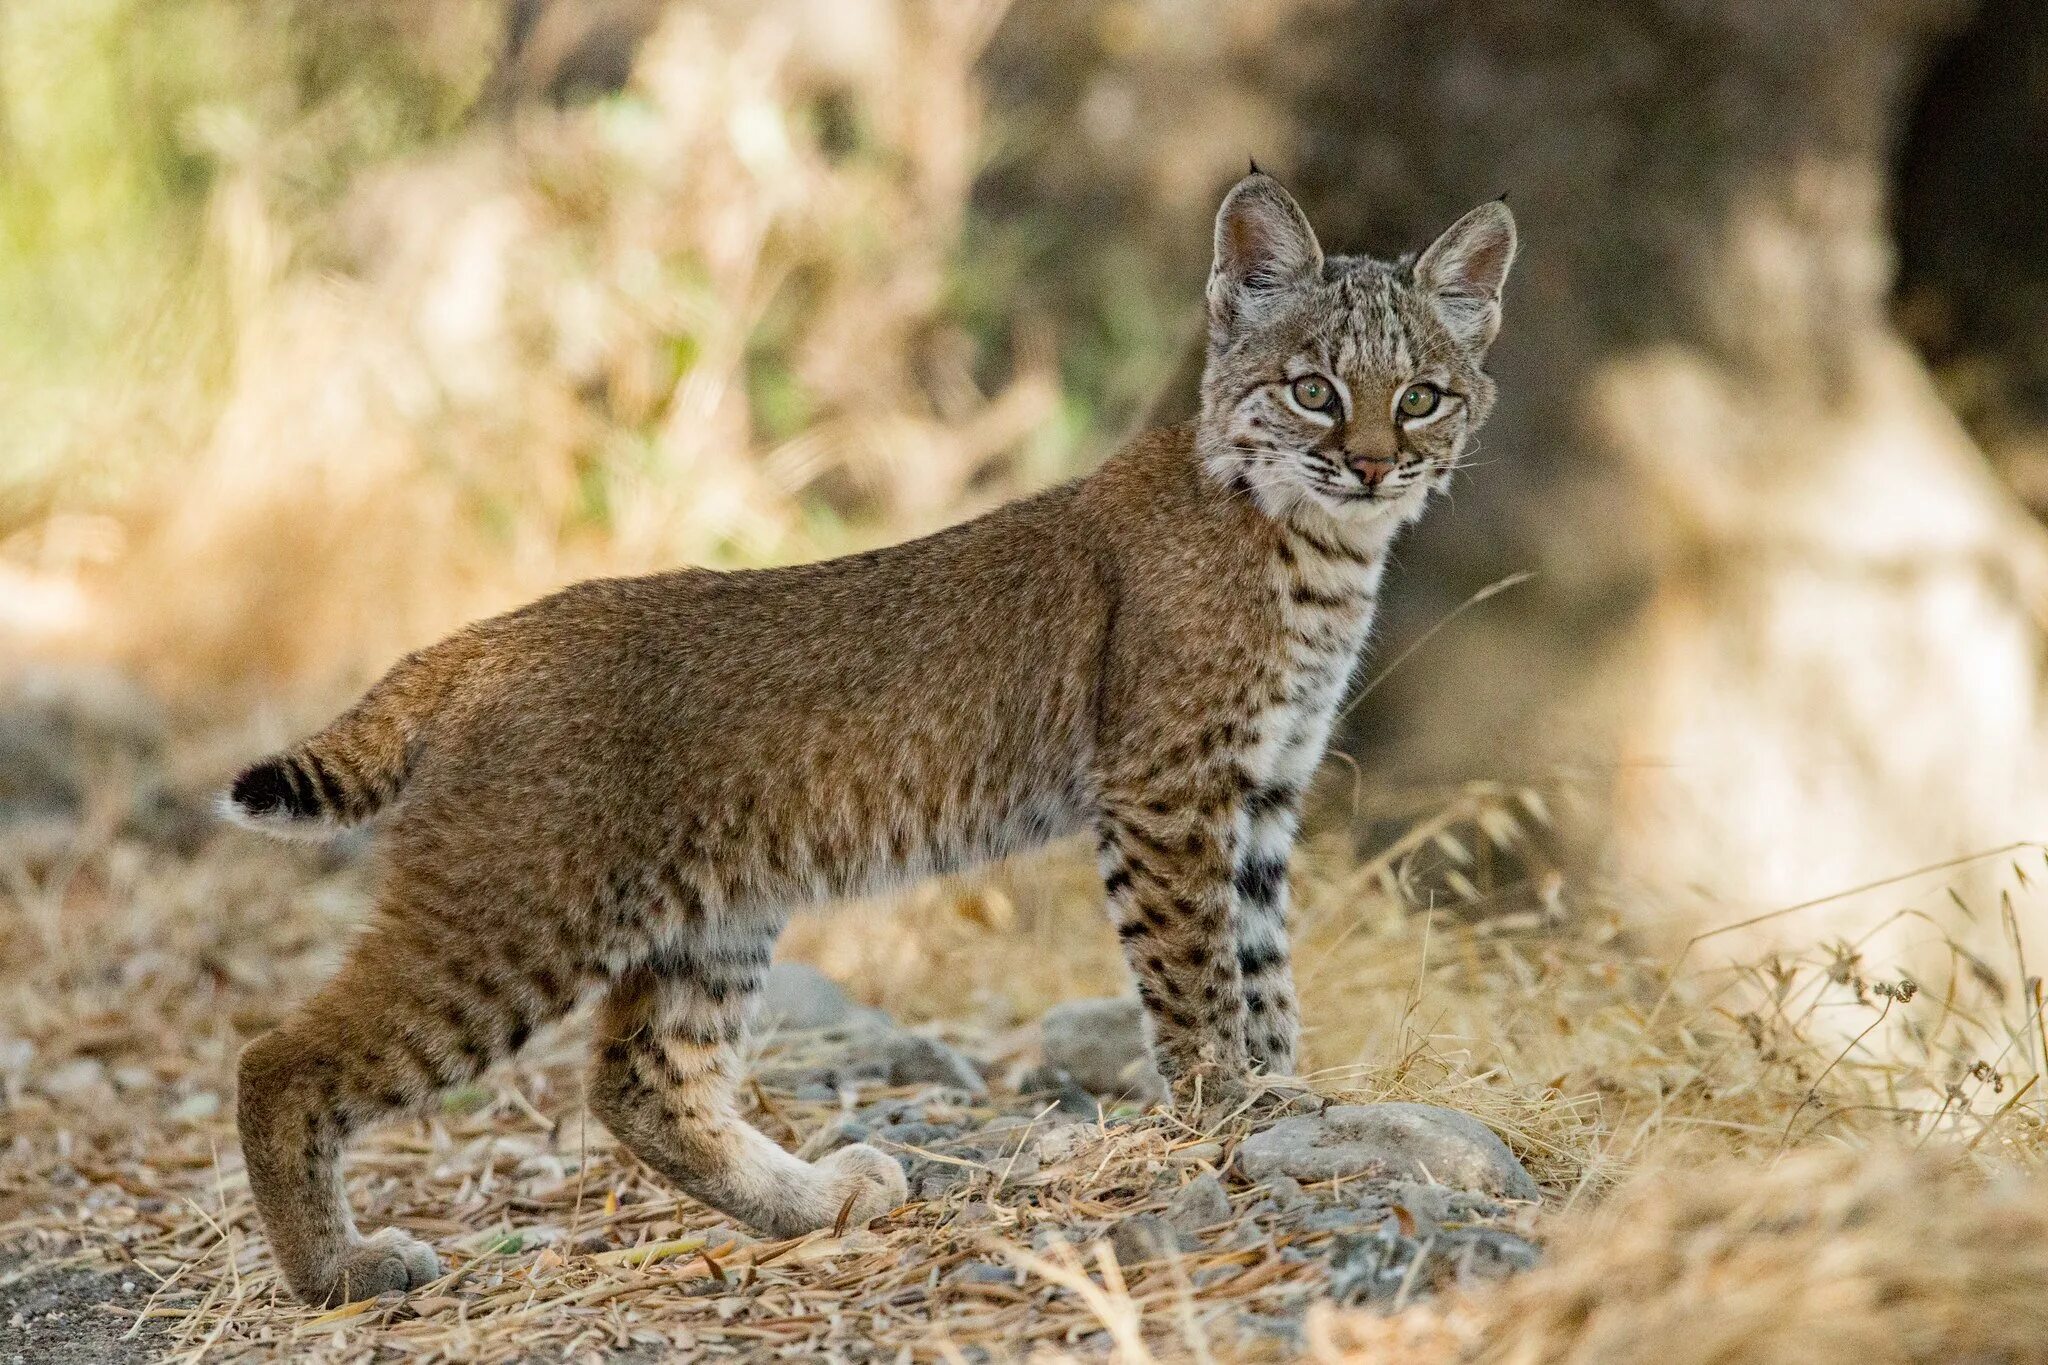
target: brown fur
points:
(628, 786)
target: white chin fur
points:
(278, 826)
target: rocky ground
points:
(1382, 1203)
(1021, 1170)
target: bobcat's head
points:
(1342, 383)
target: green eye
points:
(1420, 400)
(1313, 392)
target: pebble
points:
(796, 997)
(73, 1079)
(1142, 1237)
(1101, 1045)
(973, 1212)
(984, 1272)
(1398, 1139)
(913, 1059)
(1200, 1204)
(196, 1107)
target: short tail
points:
(357, 765)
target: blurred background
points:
(324, 329)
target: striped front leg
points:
(1166, 868)
(1272, 1022)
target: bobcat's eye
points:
(1420, 400)
(1313, 392)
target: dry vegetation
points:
(720, 319)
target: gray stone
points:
(1144, 1237)
(972, 1212)
(983, 1272)
(1101, 1045)
(1395, 1139)
(934, 1179)
(1286, 1191)
(1428, 1205)
(913, 1059)
(796, 997)
(1074, 1099)
(1200, 1204)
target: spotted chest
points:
(1328, 590)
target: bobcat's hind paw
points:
(385, 1262)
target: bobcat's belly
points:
(877, 835)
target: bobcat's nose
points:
(1370, 468)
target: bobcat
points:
(630, 785)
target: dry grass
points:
(132, 973)
(1827, 1258)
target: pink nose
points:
(1371, 470)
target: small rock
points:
(196, 1107)
(974, 1211)
(817, 1092)
(883, 1113)
(1200, 1204)
(983, 1272)
(913, 1059)
(1285, 1191)
(1059, 1142)
(1371, 1267)
(1490, 1253)
(796, 997)
(934, 1179)
(1346, 1217)
(1101, 1044)
(73, 1079)
(1428, 1205)
(1074, 1099)
(1143, 1237)
(1394, 1139)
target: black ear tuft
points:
(1255, 166)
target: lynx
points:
(626, 788)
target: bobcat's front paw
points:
(872, 1180)
(1211, 1089)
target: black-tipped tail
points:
(357, 765)
(279, 789)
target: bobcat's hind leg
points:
(664, 1073)
(418, 1008)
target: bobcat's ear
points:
(1465, 268)
(1263, 245)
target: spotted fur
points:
(625, 789)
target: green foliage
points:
(121, 123)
